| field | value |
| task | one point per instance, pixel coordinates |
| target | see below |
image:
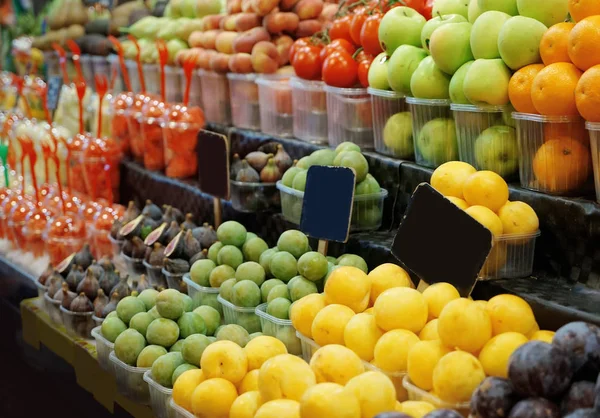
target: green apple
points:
(496, 150)
(519, 41)
(506, 6)
(435, 23)
(398, 135)
(450, 46)
(429, 82)
(484, 36)
(378, 72)
(448, 7)
(486, 83)
(437, 141)
(208, 7)
(549, 12)
(401, 66)
(474, 11)
(507, 116)
(400, 26)
(456, 84)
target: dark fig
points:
(54, 284)
(84, 257)
(157, 255)
(175, 247)
(108, 281)
(494, 398)
(139, 249)
(202, 255)
(152, 211)
(111, 305)
(269, 147)
(65, 296)
(115, 230)
(96, 270)
(46, 274)
(81, 304)
(100, 302)
(172, 232)
(235, 166)
(131, 212)
(158, 235)
(392, 414)
(178, 215)
(257, 160)
(106, 264)
(271, 173)
(168, 215)
(580, 396)
(282, 159)
(205, 234)
(176, 266)
(191, 246)
(89, 285)
(443, 413)
(147, 253)
(535, 408)
(584, 413)
(142, 284)
(188, 223)
(132, 228)
(121, 289)
(64, 267)
(127, 248)
(75, 277)
(247, 174)
(581, 342)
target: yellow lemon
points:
(417, 409)
(535, 329)
(398, 407)
(510, 313)
(456, 376)
(303, 312)
(249, 382)
(329, 324)
(336, 364)
(329, 400)
(280, 408)
(458, 202)
(387, 276)
(401, 308)
(285, 377)
(185, 386)
(421, 361)
(361, 335)
(518, 218)
(464, 325)
(213, 398)
(375, 393)
(545, 336)
(481, 303)
(430, 331)
(370, 311)
(224, 359)
(246, 405)
(437, 296)
(487, 218)
(485, 188)
(495, 355)
(262, 348)
(391, 351)
(448, 178)
(348, 286)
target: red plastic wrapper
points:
(132, 114)
(65, 235)
(36, 223)
(151, 120)
(100, 232)
(119, 128)
(180, 134)
(100, 161)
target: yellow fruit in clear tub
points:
(487, 218)
(391, 351)
(361, 335)
(107, 115)
(495, 355)
(185, 386)
(285, 377)
(246, 405)
(329, 324)
(387, 276)
(375, 393)
(336, 364)
(262, 348)
(545, 336)
(422, 359)
(304, 311)
(213, 398)
(518, 218)
(401, 308)
(67, 110)
(224, 359)
(280, 408)
(449, 178)
(510, 313)
(249, 382)
(430, 331)
(417, 409)
(329, 400)
(437, 296)
(348, 286)
(456, 376)
(485, 188)
(464, 325)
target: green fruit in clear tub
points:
(226, 289)
(128, 307)
(279, 308)
(312, 265)
(210, 299)
(353, 260)
(112, 314)
(177, 346)
(323, 157)
(294, 242)
(301, 287)
(245, 294)
(193, 347)
(149, 355)
(354, 160)
(253, 249)
(230, 255)
(169, 304)
(213, 251)
(220, 274)
(347, 146)
(148, 296)
(141, 321)
(181, 370)
(191, 323)
(154, 312)
(279, 291)
(288, 177)
(265, 260)
(255, 334)
(200, 272)
(162, 331)
(368, 186)
(235, 333)
(287, 335)
(269, 328)
(283, 266)
(369, 217)
(164, 366)
(296, 211)
(211, 317)
(112, 328)
(188, 303)
(266, 288)
(231, 233)
(299, 182)
(250, 321)
(304, 163)
(128, 346)
(252, 271)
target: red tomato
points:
(413, 4)
(426, 9)
(338, 45)
(307, 62)
(341, 28)
(369, 35)
(299, 43)
(360, 15)
(340, 70)
(363, 72)
(363, 56)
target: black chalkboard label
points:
(54, 87)
(327, 205)
(439, 242)
(213, 164)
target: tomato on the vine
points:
(369, 35)
(341, 28)
(426, 9)
(307, 62)
(363, 72)
(298, 43)
(338, 45)
(360, 15)
(340, 70)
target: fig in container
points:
(180, 133)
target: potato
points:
(265, 58)
(196, 38)
(240, 63)
(283, 44)
(308, 28)
(281, 22)
(246, 40)
(308, 9)
(246, 21)
(287, 5)
(212, 21)
(263, 7)
(210, 39)
(224, 42)
(219, 62)
(234, 6)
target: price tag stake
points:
(213, 168)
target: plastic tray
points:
(350, 117)
(282, 329)
(152, 78)
(103, 348)
(97, 321)
(555, 154)
(594, 130)
(116, 246)
(175, 281)
(245, 317)
(215, 97)
(78, 324)
(130, 380)
(180, 412)
(195, 89)
(155, 276)
(253, 197)
(487, 139)
(511, 257)
(53, 309)
(275, 97)
(243, 93)
(201, 295)
(366, 212)
(173, 92)
(434, 132)
(159, 397)
(135, 266)
(41, 289)
(87, 68)
(134, 80)
(309, 104)
(417, 394)
(393, 138)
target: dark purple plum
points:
(535, 408)
(580, 396)
(443, 413)
(392, 414)
(538, 369)
(581, 342)
(597, 402)
(583, 413)
(494, 398)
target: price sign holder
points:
(54, 84)
(327, 204)
(213, 168)
(439, 242)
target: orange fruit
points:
(587, 94)
(486, 218)
(561, 165)
(580, 9)
(554, 46)
(553, 89)
(519, 88)
(486, 188)
(574, 130)
(583, 43)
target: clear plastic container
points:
(53, 309)
(202, 295)
(244, 317)
(155, 275)
(130, 380)
(367, 210)
(392, 124)
(135, 266)
(434, 131)
(180, 412)
(115, 68)
(159, 397)
(116, 246)
(511, 257)
(487, 138)
(275, 97)
(309, 104)
(195, 89)
(78, 324)
(175, 281)
(173, 92)
(555, 153)
(101, 66)
(151, 78)
(308, 346)
(52, 65)
(180, 143)
(215, 97)
(97, 321)
(103, 348)
(243, 93)
(417, 394)
(87, 67)
(152, 138)
(41, 289)
(61, 248)
(282, 329)
(594, 130)
(253, 197)
(134, 80)
(350, 117)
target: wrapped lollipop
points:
(103, 221)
